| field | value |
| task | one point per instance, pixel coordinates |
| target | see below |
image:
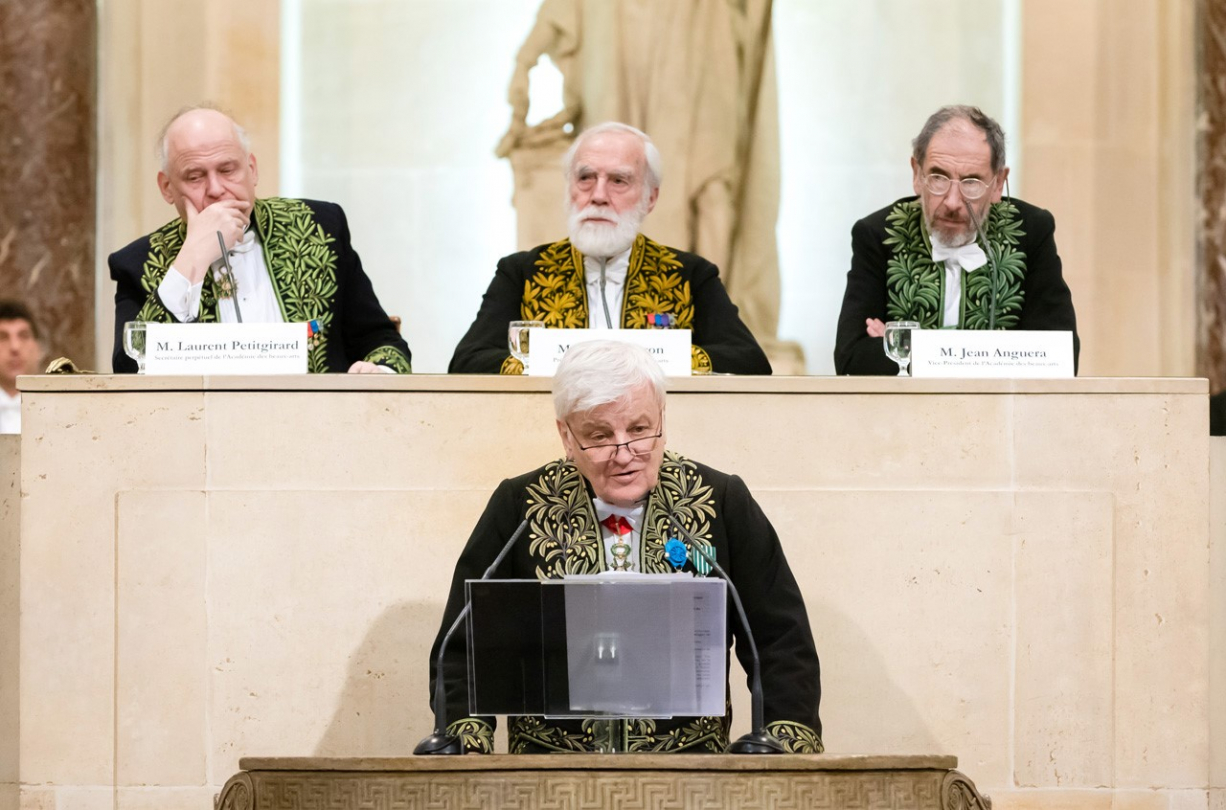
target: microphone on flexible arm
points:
(604, 302)
(987, 250)
(758, 741)
(229, 276)
(440, 742)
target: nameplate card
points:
(226, 348)
(969, 353)
(670, 347)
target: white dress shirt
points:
(616, 269)
(969, 258)
(633, 516)
(256, 296)
(10, 412)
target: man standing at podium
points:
(291, 260)
(613, 501)
(958, 255)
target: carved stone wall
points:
(47, 148)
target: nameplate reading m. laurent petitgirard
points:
(226, 348)
(670, 347)
(969, 353)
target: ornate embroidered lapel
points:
(564, 537)
(164, 246)
(302, 262)
(915, 285)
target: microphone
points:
(228, 276)
(604, 302)
(987, 250)
(758, 741)
(440, 742)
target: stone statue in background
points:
(696, 75)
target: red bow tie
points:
(617, 524)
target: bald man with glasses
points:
(958, 255)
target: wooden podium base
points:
(626, 781)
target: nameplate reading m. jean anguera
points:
(670, 347)
(226, 348)
(971, 353)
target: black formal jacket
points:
(564, 538)
(893, 278)
(547, 284)
(315, 271)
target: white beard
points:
(600, 239)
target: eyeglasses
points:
(641, 446)
(972, 187)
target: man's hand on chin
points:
(200, 248)
(363, 367)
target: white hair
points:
(598, 372)
(162, 147)
(655, 166)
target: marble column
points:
(1211, 181)
(47, 156)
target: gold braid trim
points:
(797, 738)
(476, 734)
(555, 294)
(524, 734)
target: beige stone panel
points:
(806, 442)
(10, 611)
(895, 584)
(374, 440)
(183, 798)
(1055, 47)
(1063, 715)
(1160, 475)
(161, 682)
(322, 610)
(1188, 799)
(1217, 798)
(1050, 799)
(1217, 611)
(85, 798)
(10, 795)
(84, 445)
(33, 798)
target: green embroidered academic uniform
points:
(563, 537)
(315, 272)
(893, 278)
(547, 284)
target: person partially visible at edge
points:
(925, 258)
(292, 259)
(613, 178)
(20, 353)
(615, 487)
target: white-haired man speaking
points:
(607, 274)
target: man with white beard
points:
(607, 275)
(958, 255)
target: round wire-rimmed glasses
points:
(972, 188)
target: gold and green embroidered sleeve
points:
(476, 734)
(797, 738)
(391, 357)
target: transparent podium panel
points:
(611, 645)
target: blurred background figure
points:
(20, 353)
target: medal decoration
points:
(227, 287)
(676, 553)
(661, 320)
(313, 332)
(620, 528)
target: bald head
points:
(206, 157)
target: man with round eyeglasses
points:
(960, 254)
(617, 497)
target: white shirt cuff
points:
(180, 297)
(385, 369)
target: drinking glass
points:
(897, 340)
(517, 339)
(134, 343)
